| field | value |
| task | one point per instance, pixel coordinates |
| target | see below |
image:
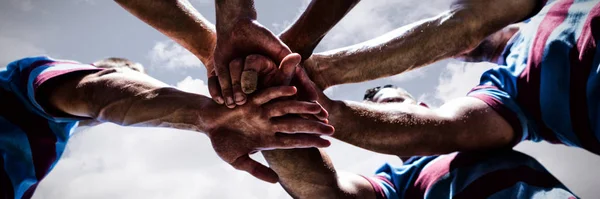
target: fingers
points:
(214, 88)
(323, 114)
(271, 93)
(245, 163)
(299, 125)
(235, 70)
(291, 141)
(254, 66)
(288, 67)
(225, 83)
(282, 108)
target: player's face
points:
(392, 95)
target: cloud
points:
(192, 85)
(110, 161)
(459, 78)
(168, 54)
(14, 48)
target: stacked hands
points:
(272, 106)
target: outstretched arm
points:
(449, 34)
(180, 21)
(406, 129)
(128, 98)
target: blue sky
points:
(109, 161)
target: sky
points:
(109, 161)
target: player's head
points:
(389, 94)
(115, 62)
(490, 49)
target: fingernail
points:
(229, 101)
(240, 98)
(219, 100)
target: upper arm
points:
(476, 124)
(356, 186)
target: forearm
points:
(398, 51)
(178, 20)
(309, 173)
(318, 18)
(304, 173)
(449, 34)
(395, 129)
(132, 99)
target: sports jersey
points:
(31, 138)
(547, 86)
(488, 174)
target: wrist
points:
(229, 12)
(317, 67)
(203, 114)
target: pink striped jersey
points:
(32, 136)
(497, 174)
(547, 84)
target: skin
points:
(464, 26)
(130, 98)
(240, 35)
(177, 19)
(309, 173)
(398, 127)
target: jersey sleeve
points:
(25, 76)
(498, 91)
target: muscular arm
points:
(128, 98)
(319, 17)
(405, 129)
(449, 34)
(178, 20)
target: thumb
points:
(288, 67)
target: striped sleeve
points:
(30, 73)
(501, 102)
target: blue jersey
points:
(32, 138)
(547, 86)
(488, 174)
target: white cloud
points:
(14, 48)
(192, 85)
(459, 78)
(168, 54)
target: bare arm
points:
(405, 129)
(126, 97)
(178, 20)
(309, 173)
(129, 98)
(314, 23)
(449, 34)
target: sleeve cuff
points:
(41, 75)
(505, 113)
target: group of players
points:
(267, 96)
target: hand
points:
(255, 125)
(241, 38)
